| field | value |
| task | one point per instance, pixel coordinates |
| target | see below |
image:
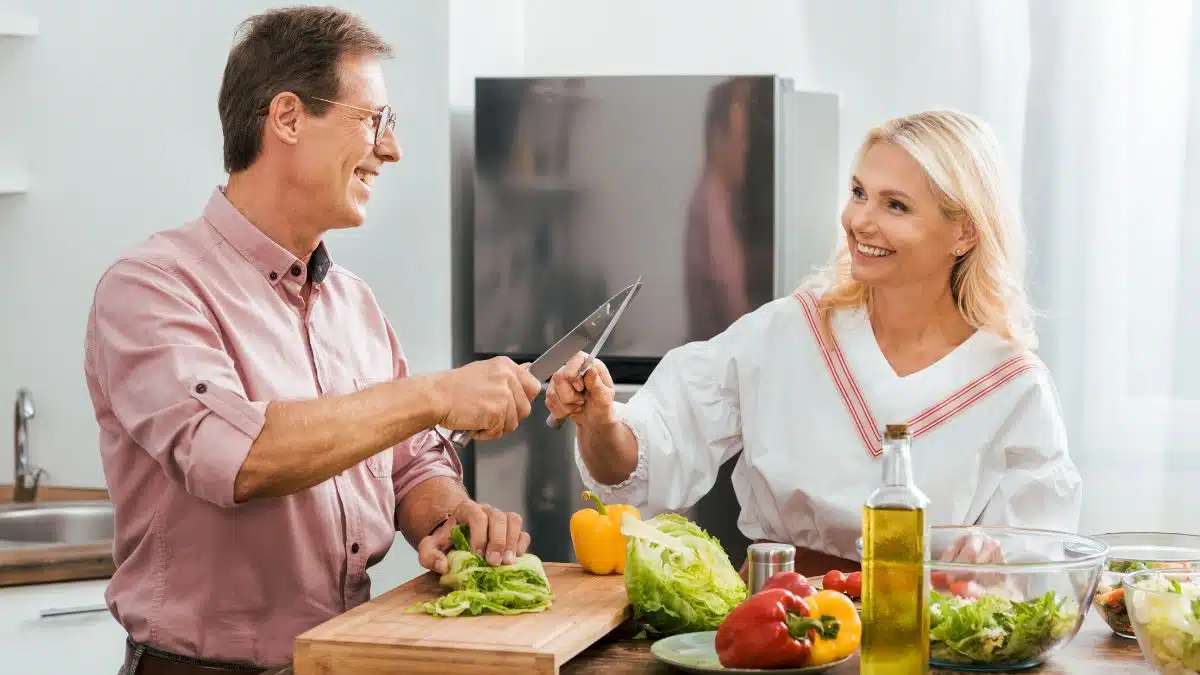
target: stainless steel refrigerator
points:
(567, 189)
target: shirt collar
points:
(269, 258)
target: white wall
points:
(486, 39)
(112, 109)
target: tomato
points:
(966, 589)
(793, 581)
(834, 580)
(939, 580)
(853, 585)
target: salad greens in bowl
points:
(1017, 607)
(1164, 609)
(1134, 551)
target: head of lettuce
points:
(677, 577)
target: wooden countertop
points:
(50, 564)
(1094, 651)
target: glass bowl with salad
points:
(1132, 552)
(1164, 610)
(1018, 605)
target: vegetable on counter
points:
(1169, 622)
(517, 588)
(992, 629)
(846, 622)
(596, 536)
(850, 584)
(1109, 600)
(961, 587)
(791, 581)
(677, 577)
(771, 629)
(776, 628)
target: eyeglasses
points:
(384, 119)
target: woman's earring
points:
(958, 252)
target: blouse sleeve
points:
(1040, 486)
(687, 420)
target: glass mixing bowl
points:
(1164, 610)
(1133, 551)
(1014, 614)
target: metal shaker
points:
(765, 559)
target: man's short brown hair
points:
(294, 49)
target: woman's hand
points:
(976, 547)
(587, 400)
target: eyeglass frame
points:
(385, 116)
(386, 113)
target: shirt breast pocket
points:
(379, 464)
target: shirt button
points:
(295, 270)
(354, 548)
(201, 388)
(274, 276)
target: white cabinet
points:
(87, 644)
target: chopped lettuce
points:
(677, 577)
(518, 588)
(994, 630)
(1168, 624)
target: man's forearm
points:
(426, 505)
(305, 442)
(610, 452)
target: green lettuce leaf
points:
(677, 577)
(993, 629)
(518, 588)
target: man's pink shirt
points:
(188, 339)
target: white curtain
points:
(1097, 103)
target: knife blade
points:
(552, 421)
(544, 366)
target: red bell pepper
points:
(791, 581)
(768, 630)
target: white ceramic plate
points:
(697, 653)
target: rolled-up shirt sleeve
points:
(160, 366)
(420, 458)
(425, 455)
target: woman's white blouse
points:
(989, 445)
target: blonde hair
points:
(962, 161)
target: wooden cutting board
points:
(379, 637)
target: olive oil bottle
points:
(895, 612)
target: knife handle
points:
(553, 422)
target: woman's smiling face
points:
(895, 228)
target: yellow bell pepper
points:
(843, 636)
(596, 535)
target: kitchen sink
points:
(56, 523)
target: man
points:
(262, 439)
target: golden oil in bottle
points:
(895, 586)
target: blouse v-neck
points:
(895, 398)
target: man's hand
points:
(496, 536)
(487, 397)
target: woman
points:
(921, 318)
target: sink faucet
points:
(25, 476)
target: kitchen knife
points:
(595, 325)
(552, 421)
